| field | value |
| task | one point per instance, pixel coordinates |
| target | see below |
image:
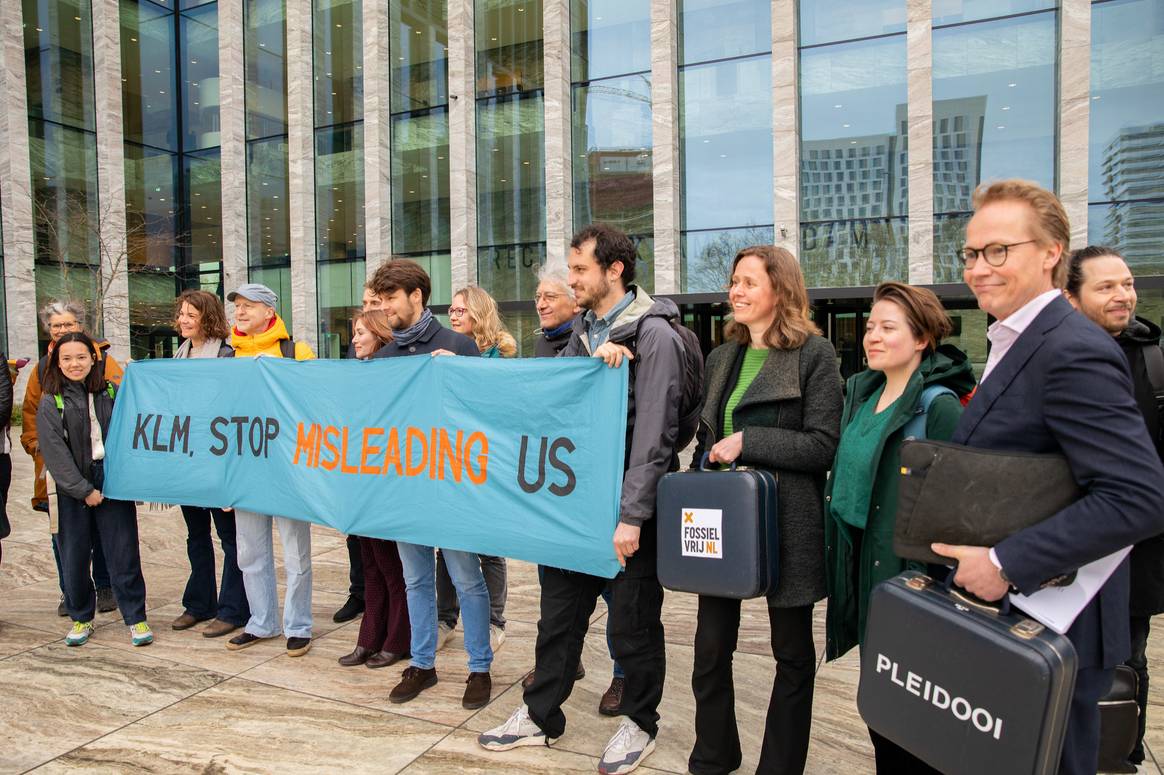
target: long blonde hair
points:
(488, 330)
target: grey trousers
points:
(448, 610)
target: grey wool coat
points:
(790, 417)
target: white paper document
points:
(1057, 607)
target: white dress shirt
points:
(1004, 333)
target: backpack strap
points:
(916, 427)
(287, 348)
(1154, 363)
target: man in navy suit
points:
(1056, 383)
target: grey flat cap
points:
(255, 292)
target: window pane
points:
(199, 30)
(831, 21)
(439, 267)
(264, 47)
(994, 117)
(510, 272)
(718, 29)
(278, 279)
(726, 139)
(341, 290)
(203, 197)
(1127, 102)
(150, 190)
(268, 224)
(339, 61)
(58, 55)
(853, 163)
(339, 192)
(609, 37)
(708, 255)
(148, 90)
(509, 46)
(511, 194)
(1135, 229)
(151, 313)
(53, 283)
(954, 11)
(64, 193)
(420, 182)
(419, 53)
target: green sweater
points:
(860, 443)
(753, 362)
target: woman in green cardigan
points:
(902, 346)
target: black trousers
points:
(1138, 661)
(114, 524)
(636, 636)
(355, 568)
(202, 599)
(786, 731)
(1081, 742)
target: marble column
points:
(114, 278)
(301, 171)
(559, 157)
(785, 127)
(377, 136)
(665, 144)
(1074, 113)
(919, 75)
(462, 144)
(16, 194)
(233, 133)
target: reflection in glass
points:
(419, 54)
(644, 261)
(268, 221)
(339, 192)
(718, 29)
(341, 291)
(726, 142)
(1135, 229)
(957, 11)
(149, 95)
(338, 48)
(58, 55)
(203, 178)
(264, 54)
(708, 255)
(609, 37)
(854, 252)
(278, 279)
(510, 272)
(440, 272)
(509, 46)
(200, 83)
(150, 188)
(64, 193)
(834, 21)
(511, 194)
(420, 182)
(612, 154)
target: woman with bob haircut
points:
(773, 401)
(201, 320)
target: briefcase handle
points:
(1000, 609)
(707, 459)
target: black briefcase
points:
(718, 533)
(1119, 722)
(961, 685)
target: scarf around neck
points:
(407, 336)
(209, 349)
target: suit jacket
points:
(1064, 388)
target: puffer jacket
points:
(69, 456)
(267, 343)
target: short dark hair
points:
(1078, 259)
(54, 380)
(610, 245)
(927, 318)
(401, 274)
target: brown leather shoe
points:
(358, 656)
(218, 628)
(384, 659)
(185, 621)
(527, 682)
(477, 691)
(611, 702)
(413, 681)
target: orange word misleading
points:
(374, 451)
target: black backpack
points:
(287, 348)
(691, 396)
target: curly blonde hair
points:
(488, 330)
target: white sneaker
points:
(496, 637)
(519, 730)
(444, 635)
(626, 750)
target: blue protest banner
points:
(518, 458)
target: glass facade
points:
(1125, 180)
(511, 191)
(338, 44)
(995, 108)
(419, 58)
(611, 122)
(854, 157)
(725, 134)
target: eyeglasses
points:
(549, 297)
(62, 326)
(456, 312)
(995, 254)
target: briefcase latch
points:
(1026, 629)
(918, 583)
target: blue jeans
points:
(256, 560)
(420, 582)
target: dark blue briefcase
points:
(962, 685)
(718, 532)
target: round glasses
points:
(995, 253)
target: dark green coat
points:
(857, 560)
